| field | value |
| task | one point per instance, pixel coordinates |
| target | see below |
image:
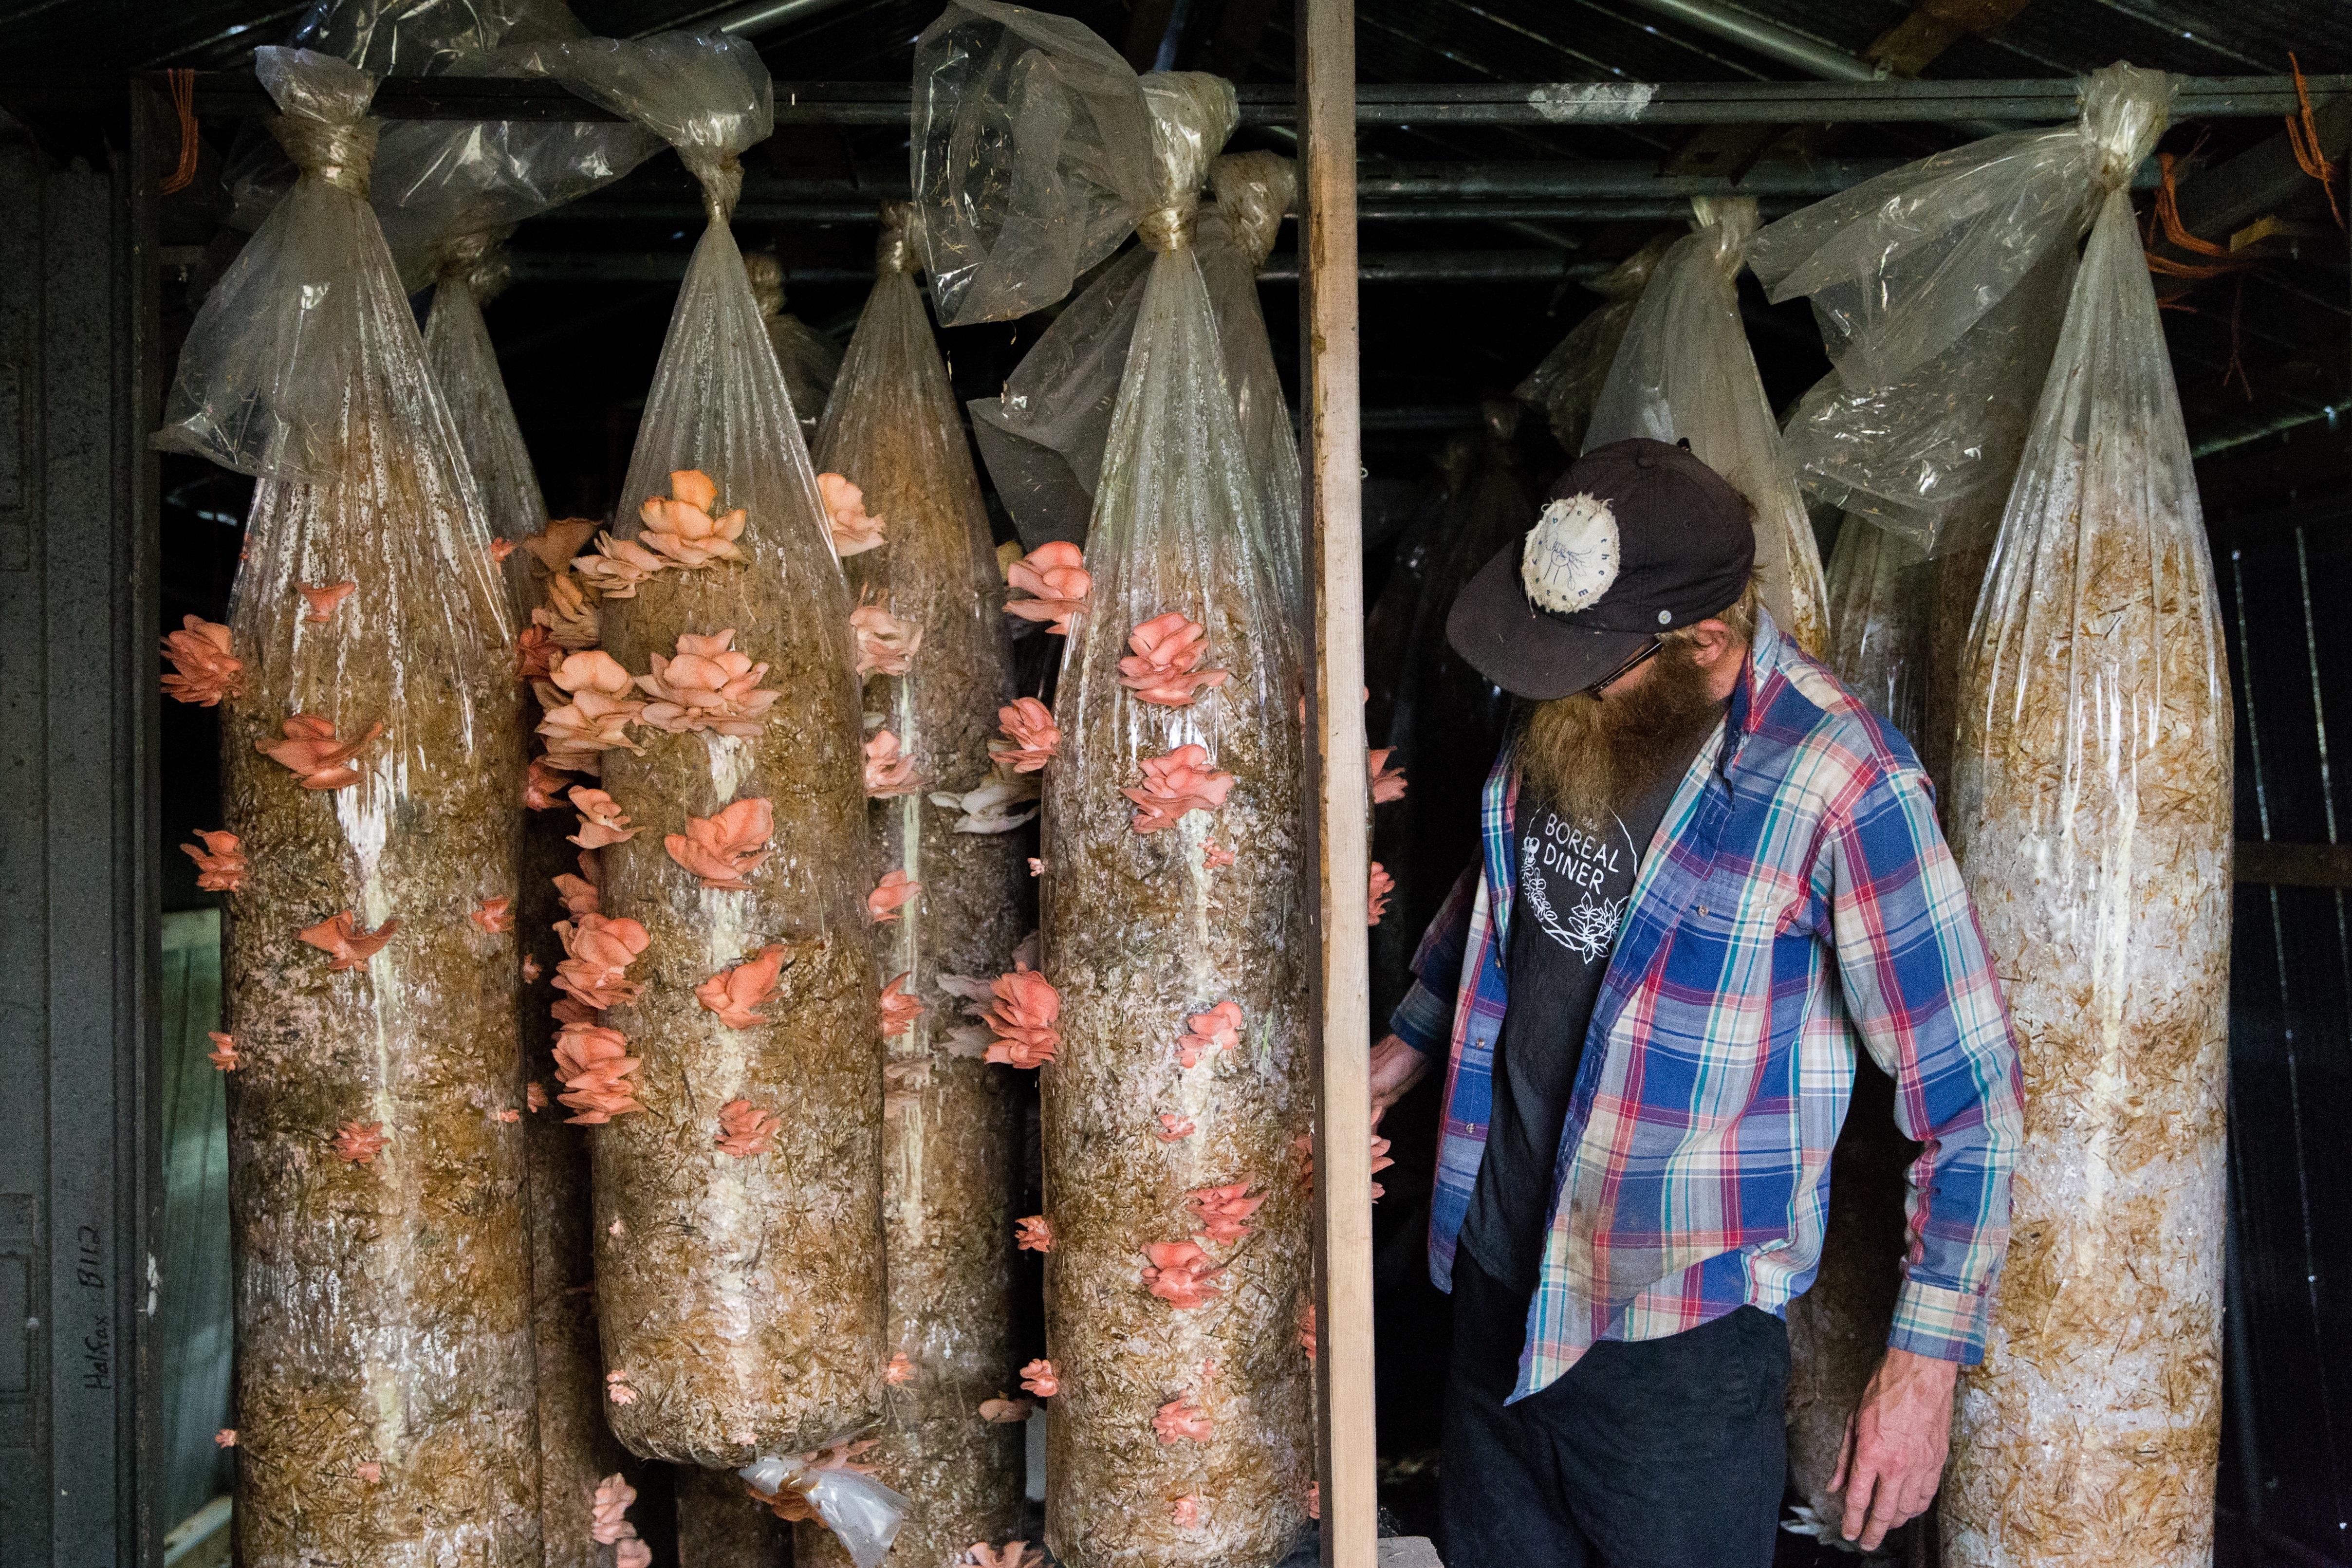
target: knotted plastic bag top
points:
(708, 95)
(1940, 287)
(1032, 157)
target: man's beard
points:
(1592, 757)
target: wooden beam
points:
(1330, 384)
(2293, 865)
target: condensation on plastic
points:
(807, 358)
(1032, 157)
(1176, 529)
(1568, 382)
(862, 1513)
(1939, 288)
(382, 1308)
(1684, 371)
(951, 1154)
(2093, 823)
(741, 1298)
(1236, 234)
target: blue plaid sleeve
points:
(1425, 1020)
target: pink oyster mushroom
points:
(1214, 856)
(202, 670)
(494, 916)
(1172, 785)
(569, 617)
(887, 773)
(1219, 1028)
(536, 654)
(885, 645)
(900, 1371)
(1056, 578)
(1162, 669)
(318, 603)
(1387, 782)
(221, 865)
(1180, 1421)
(892, 894)
(681, 526)
(1180, 1274)
(607, 1522)
(1381, 887)
(542, 787)
(707, 685)
(534, 1097)
(346, 946)
(1184, 1513)
(1306, 1328)
(745, 1130)
(358, 1143)
(226, 1438)
(1022, 1019)
(1034, 1234)
(726, 847)
(579, 894)
(1040, 1378)
(224, 1053)
(899, 1010)
(594, 1065)
(500, 549)
(617, 1389)
(563, 537)
(317, 758)
(852, 530)
(1174, 1128)
(734, 993)
(615, 568)
(1005, 1412)
(373, 1470)
(598, 952)
(598, 716)
(602, 821)
(1030, 724)
(1223, 1211)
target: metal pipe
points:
(1671, 209)
(1375, 267)
(749, 21)
(1769, 40)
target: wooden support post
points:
(1334, 510)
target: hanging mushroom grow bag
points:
(2092, 813)
(1168, 1013)
(948, 905)
(720, 1027)
(370, 741)
(1568, 382)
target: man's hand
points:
(1396, 1066)
(1895, 1441)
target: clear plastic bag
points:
(1878, 617)
(741, 1291)
(1568, 382)
(1254, 191)
(1032, 157)
(1683, 373)
(807, 358)
(371, 738)
(2092, 817)
(863, 1514)
(951, 908)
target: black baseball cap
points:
(1636, 538)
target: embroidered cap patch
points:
(1571, 558)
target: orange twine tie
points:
(183, 100)
(2303, 136)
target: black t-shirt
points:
(1574, 886)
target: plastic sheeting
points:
(370, 741)
(1684, 371)
(1568, 382)
(805, 356)
(2093, 824)
(951, 1156)
(739, 1259)
(1236, 234)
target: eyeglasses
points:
(1627, 668)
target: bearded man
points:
(1710, 876)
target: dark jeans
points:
(1668, 1453)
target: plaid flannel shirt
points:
(1798, 897)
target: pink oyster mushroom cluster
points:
(1306, 1328)
(889, 773)
(1180, 1274)
(318, 603)
(1379, 891)
(1387, 782)
(358, 1143)
(542, 786)
(707, 685)
(594, 1065)
(493, 916)
(885, 645)
(852, 530)
(1029, 724)
(602, 821)
(598, 952)
(1038, 1377)
(608, 1523)
(1022, 1019)
(579, 894)
(724, 848)
(1182, 1421)
(901, 1370)
(221, 865)
(616, 1383)
(1034, 1234)
(734, 993)
(1184, 1513)
(687, 526)
(203, 672)
(1219, 1028)
(1224, 1212)
(1174, 784)
(892, 894)
(899, 1010)
(1214, 856)
(745, 1130)
(1057, 582)
(1164, 669)
(315, 755)
(596, 716)
(1174, 1128)
(224, 1053)
(346, 946)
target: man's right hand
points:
(1396, 1066)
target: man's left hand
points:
(1895, 1442)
